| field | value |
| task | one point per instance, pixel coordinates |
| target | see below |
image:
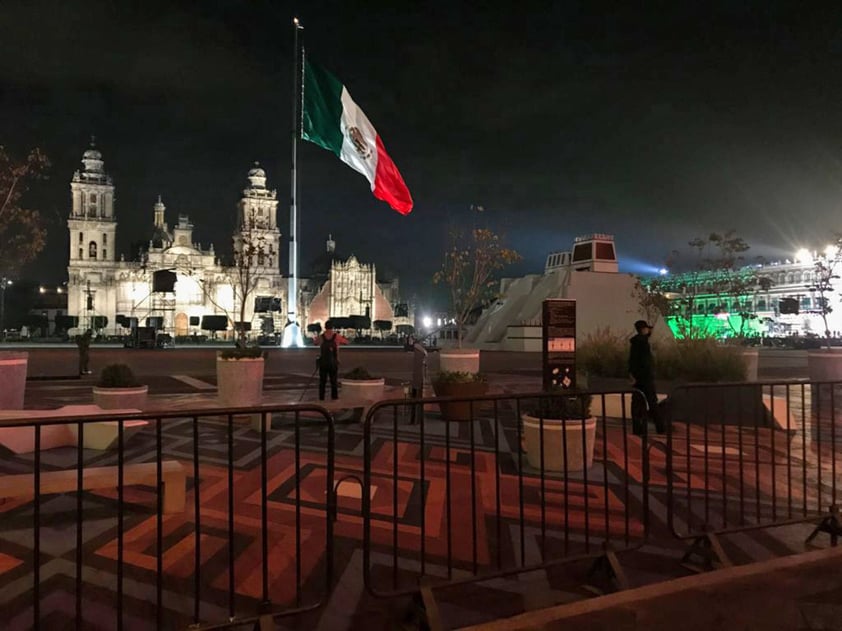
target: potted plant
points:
(467, 270)
(563, 427)
(239, 376)
(459, 384)
(359, 384)
(118, 388)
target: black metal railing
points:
(216, 518)
(219, 544)
(741, 456)
(457, 501)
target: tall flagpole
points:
(292, 333)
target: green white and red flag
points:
(333, 121)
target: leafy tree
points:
(653, 299)
(468, 268)
(825, 274)
(22, 230)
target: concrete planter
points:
(825, 370)
(824, 365)
(366, 389)
(459, 410)
(558, 435)
(121, 398)
(751, 357)
(13, 379)
(239, 382)
(459, 360)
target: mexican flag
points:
(333, 121)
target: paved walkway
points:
(482, 534)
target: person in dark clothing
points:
(84, 343)
(328, 361)
(642, 372)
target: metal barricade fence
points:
(740, 456)
(166, 520)
(451, 501)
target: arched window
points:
(104, 240)
(797, 277)
(806, 302)
(261, 258)
(81, 238)
(92, 250)
(81, 252)
(761, 304)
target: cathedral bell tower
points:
(257, 222)
(92, 223)
(93, 230)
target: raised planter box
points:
(825, 369)
(121, 398)
(459, 360)
(13, 379)
(365, 389)
(239, 381)
(559, 435)
(459, 410)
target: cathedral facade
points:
(110, 294)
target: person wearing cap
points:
(642, 373)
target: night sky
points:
(559, 118)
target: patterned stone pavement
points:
(447, 500)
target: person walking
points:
(642, 373)
(328, 360)
(83, 342)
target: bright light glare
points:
(830, 251)
(663, 271)
(427, 321)
(42, 290)
(803, 256)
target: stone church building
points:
(109, 293)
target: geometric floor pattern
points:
(445, 507)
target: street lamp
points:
(4, 283)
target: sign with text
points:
(559, 343)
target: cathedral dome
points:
(257, 177)
(92, 161)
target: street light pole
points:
(4, 282)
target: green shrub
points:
(604, 354)
(704, 360)
(245, 352)
(117, 376)
(359, 374)
(455, 376)
(563, 405)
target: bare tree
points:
(468, 268)
(22, 230)
(825, 274)
(252, 257)
(719, 270)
